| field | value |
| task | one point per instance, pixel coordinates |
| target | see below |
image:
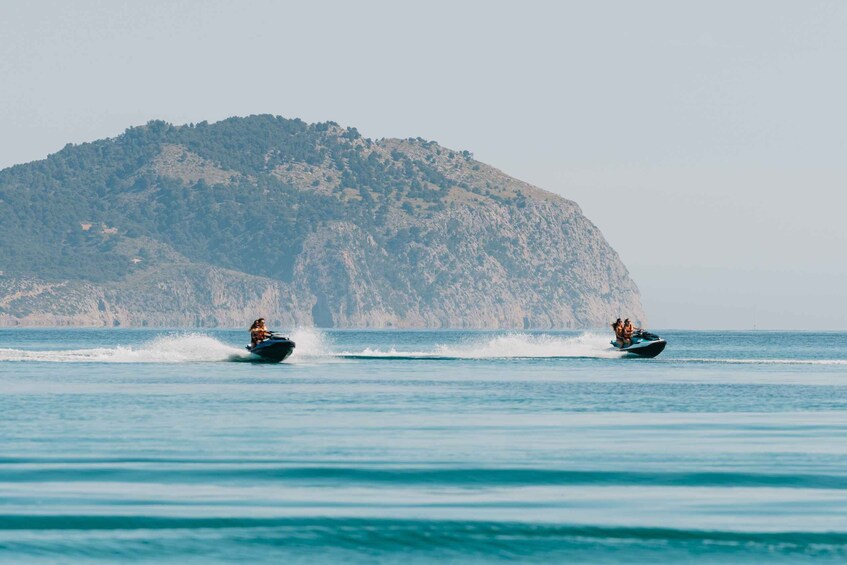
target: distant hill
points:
(305, 224)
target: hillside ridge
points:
(306, 224)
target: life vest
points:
(627, 331)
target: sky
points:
(707, 140)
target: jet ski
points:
(273, 349)
(644, 344)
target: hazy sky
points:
(707, 140)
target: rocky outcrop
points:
(175, 161)
(541, 266)
(467, 246)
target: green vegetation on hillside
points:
(256, 223)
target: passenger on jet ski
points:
(258, 332)
(617, 327)
(628, 330)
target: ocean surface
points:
(401, 446)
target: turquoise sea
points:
(402, 446)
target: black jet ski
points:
(644, 344)
(274, 349)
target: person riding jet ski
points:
(268, 346)
(258, 332)
(636, 341)
(628, 330)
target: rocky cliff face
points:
(422, 236)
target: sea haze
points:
(152, 445)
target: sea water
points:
(420, 446)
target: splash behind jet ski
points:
(644, 344)
(273, 349)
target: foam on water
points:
(509, 346)
(313, 345)
(172, 348)
(176, 348)
(310, 344)
(523, 345)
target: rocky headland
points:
(305, 224)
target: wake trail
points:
(509, 346)
(182, 348)
(314, 346)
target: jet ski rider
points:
(617, 327)
(628, 330)
(258, 332)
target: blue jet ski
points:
(644, 344)
(274, 349)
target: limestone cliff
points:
(305, 224)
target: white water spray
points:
(509, 346)
(178, 348)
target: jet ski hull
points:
(273, 350)
(648, 349)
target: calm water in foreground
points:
(371, 446)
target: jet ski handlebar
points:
(646, 335)
(277, 335)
